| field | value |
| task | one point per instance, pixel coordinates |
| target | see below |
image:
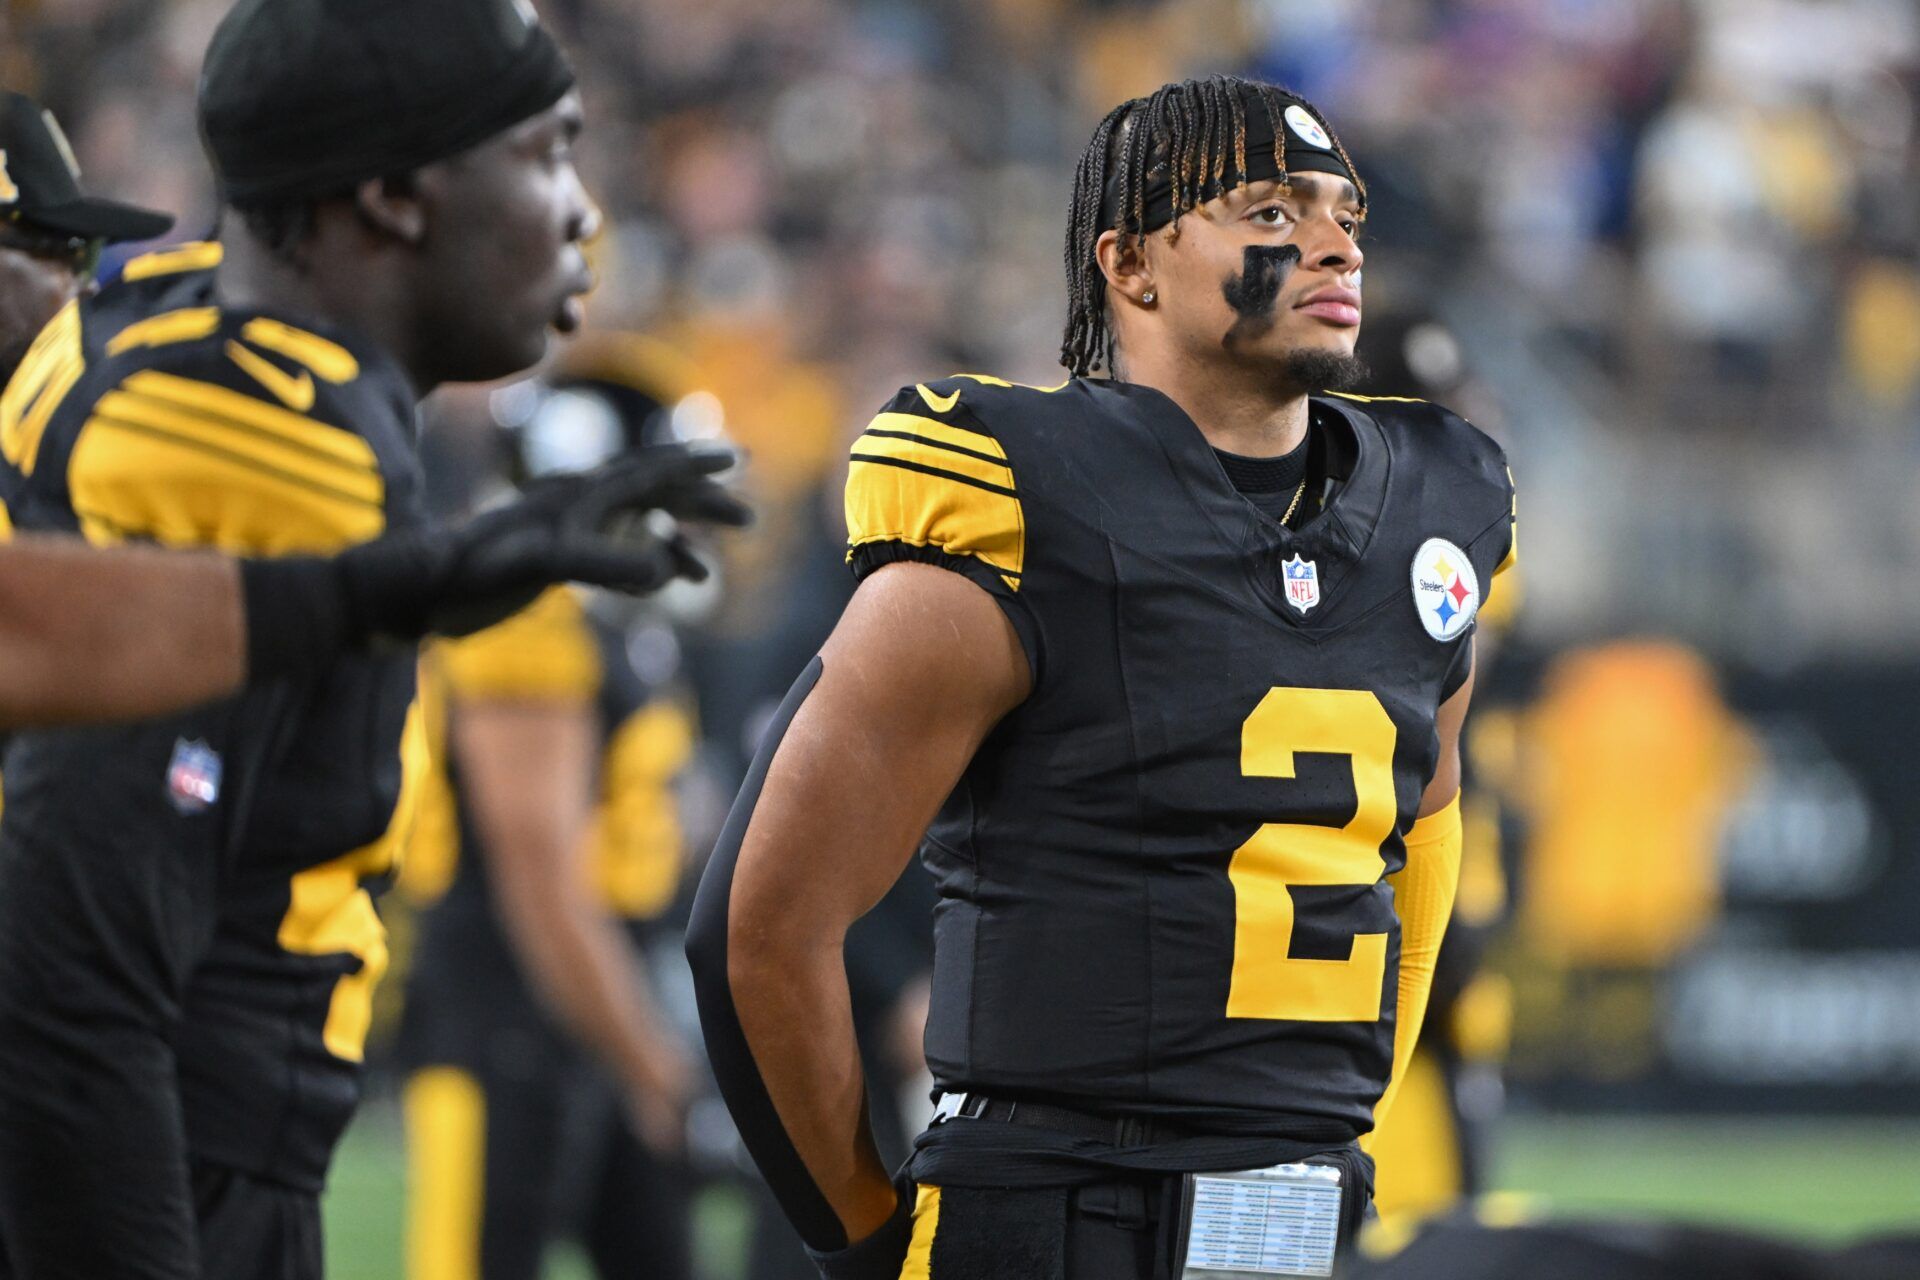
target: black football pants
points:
(247, 1228)
(251, 1229)
(1119, 1230)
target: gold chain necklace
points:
(1295, 504)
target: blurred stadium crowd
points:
(1667, 250)
(1681, 236)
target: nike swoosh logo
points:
(939, 404)
(294, 392)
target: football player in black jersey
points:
(92, 636)
(548, 849)
(188, 941)
(1164, 673)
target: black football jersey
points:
(150, 413)
(465, 975)
(1162, 878)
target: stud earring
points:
(1147, 297)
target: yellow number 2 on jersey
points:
(1267, 981)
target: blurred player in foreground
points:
(545, 1088)
(188, 941)
(1167, 669)
(1487, 1244)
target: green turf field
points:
(1826, 1179)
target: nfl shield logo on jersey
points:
(1303, 582)
(193, 777)
(1446, 591)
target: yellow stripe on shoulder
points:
(188, 463)
(53, 364)
(928, 429)
(912, 491)
(544, 653)
(214, 403)
(327, 358)
(196, 255)
(189, 324)
(920, 451)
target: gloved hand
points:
(591, 527)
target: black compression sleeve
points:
(296, 612)
(732, 1058)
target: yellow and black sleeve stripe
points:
(191, 463)
(47, 373)
(939, 487)
(544, 653)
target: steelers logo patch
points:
(1446, 591)
(1301, 121)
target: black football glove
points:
(591, 527)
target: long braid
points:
(1270, 99)
(1192, 128)
(1240, 134)
(1086, 334)
(1227, 106)
(1202, 158)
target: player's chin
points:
(502, 352)
(1304, 329)
(1318, 366)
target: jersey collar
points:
(1334, 539)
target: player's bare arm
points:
(1445, 785)
(90, 634)
(918, 671)
(527, 768)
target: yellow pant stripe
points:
(446, 1119)
(926, 1221)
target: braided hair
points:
(1196, 131)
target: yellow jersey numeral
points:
(1267, 981)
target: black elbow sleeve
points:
(733, 1065)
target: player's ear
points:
(392, 205)
(1123, 261)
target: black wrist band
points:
(296, 612)
(879, 1256)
